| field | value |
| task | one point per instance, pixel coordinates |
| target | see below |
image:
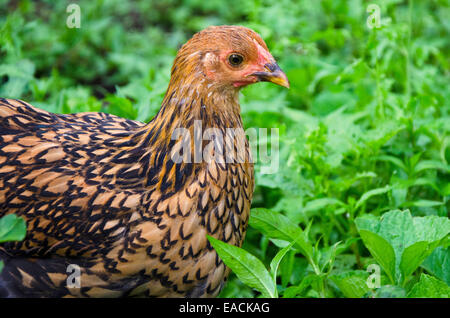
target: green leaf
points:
(413, 256)
(431, 228)
(366, 196)
(422, 203)
(431, 164)
(287, 267)
(121, 106)
(438, 263)
(327, 256)
(12, 228)
(412, 239)
(20, 74)
(381, 250)
(394, 160)
(294, 291)
(248, 268)
(429, 287)
(320, 204)
(275, 263)
(353, 284)
(277, 226)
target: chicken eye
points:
(235, 59)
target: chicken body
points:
(103, 195)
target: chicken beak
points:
(272, 74)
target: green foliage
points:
(247, 267)
(12, 228)
(428, 286)
(363, 129)
(387, 291)
(277, 226)
(352, 283)
(399, 242)
(438, 264)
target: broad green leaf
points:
(431, 228)
(353, 284)
(438, 263)
(397, 228)
(401, 231)
(413, 256)
(277, 226)
(12, 228)
(429, 287)
(381, 250)
(248, 268)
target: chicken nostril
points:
(271, 67)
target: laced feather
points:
(102, 192)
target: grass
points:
(364, 129)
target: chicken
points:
(104, 199)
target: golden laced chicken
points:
(105, 194)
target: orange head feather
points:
(227, 57)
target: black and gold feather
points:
(103, 193)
